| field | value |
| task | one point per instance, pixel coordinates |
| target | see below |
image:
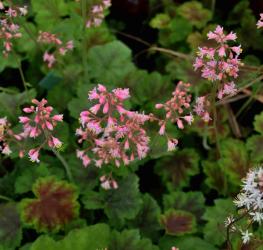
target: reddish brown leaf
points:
(56, 204)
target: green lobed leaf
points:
(255, 145)
(215, 231)
(92, 237)
(130, 240)
(178, 222)
(185, 243)
(258, 123)
(147, 220)
(110, 63)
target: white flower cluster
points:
(251, 198)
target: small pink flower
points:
(162, 129)
(33, 155)
(58, 118)
(23, 119)
(172, 143)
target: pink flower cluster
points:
(9, 30)
(52, 39)
(39, 122)
(107, 182)
(220, 63)
(260, 21)
(175, 111)
(111, 133)
(201, 108)
(7, 136)
(97, 14)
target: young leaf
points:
(54, 206)
(194, 12)
(177, 222)
(10, 229)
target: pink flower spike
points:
(33, 155)
(95, 109)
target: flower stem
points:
(2, 197)
(22, 75)
(65, 164)
(215, 117)
(83, 7)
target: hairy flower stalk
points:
(110, 133)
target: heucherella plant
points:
(220, 63)
(57, 46)
(10, 30)
(40, 123)
(96, 15)
(250, 204)
(112, 133)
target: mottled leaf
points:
(177, 222)
(54, 206)
(177, 169)
(234, 159)
(193, 202)
(194, 12)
